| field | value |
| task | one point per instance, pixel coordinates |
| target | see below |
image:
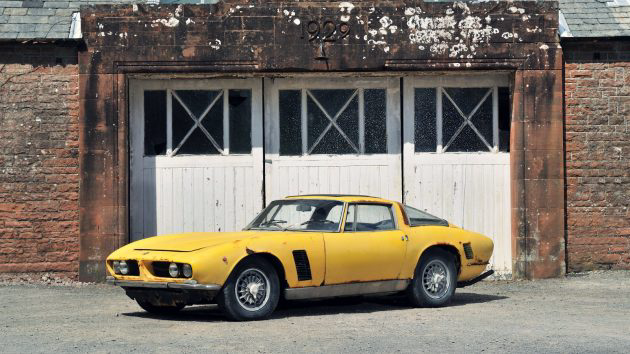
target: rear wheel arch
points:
(443, 247)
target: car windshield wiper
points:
(320, 221)
(273, 222)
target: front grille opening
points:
(133, 267)
(468, 251)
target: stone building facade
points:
(556, 100)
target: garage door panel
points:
(184, 185)
(333, 136)
(459, 169)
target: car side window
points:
(369, 217)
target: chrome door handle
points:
(404, 238)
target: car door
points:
(370, 247)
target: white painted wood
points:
(375, 174)
(471, 190)
(183, 193)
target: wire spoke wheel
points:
(252, 289)
(436, 279)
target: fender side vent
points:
(302, 265)
(468, 251)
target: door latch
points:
(404, 238)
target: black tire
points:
(434, 262)
(252, 271)
(160, 310)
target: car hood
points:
(188, 242)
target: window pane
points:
(333, 142)
(424, 120)
(505, 118)
(240, 102)
(419, 217)
(466, 99)
(290, 122)
(197, 100)
(154, 123)
(197, 142)
(332, 100)
(375, 121)
(372, 217)
(467, 141)
(482, 120)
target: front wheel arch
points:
(275, 262)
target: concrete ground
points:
(581, 313)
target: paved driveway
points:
(580, 313)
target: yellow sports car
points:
(304, 247)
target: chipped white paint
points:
(514, 9)
(544, 47)
(189, 21)
(345, 18)
(296, 21)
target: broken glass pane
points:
(154, 123)
(333, 142)
(505, 118)
(240, 102)
(375, 121)
(290, 105)
(424, 120)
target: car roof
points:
(342, 197)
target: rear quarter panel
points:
(423, 237)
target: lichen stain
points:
(437, 33)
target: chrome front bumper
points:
(161, 285)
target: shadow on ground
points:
(287, 309)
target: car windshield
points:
(299, 215)
(420, 218)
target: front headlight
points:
(124, 268)
(116, 265)
(173, 270)
(187, 270)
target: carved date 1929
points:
(326, 31)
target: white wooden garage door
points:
(456, 158)
(196, 155)
(332, 136)
(197, 160)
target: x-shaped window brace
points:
(467, 120)
(333, 122)
(197, 123)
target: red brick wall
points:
(597, 103)
(39, 166)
